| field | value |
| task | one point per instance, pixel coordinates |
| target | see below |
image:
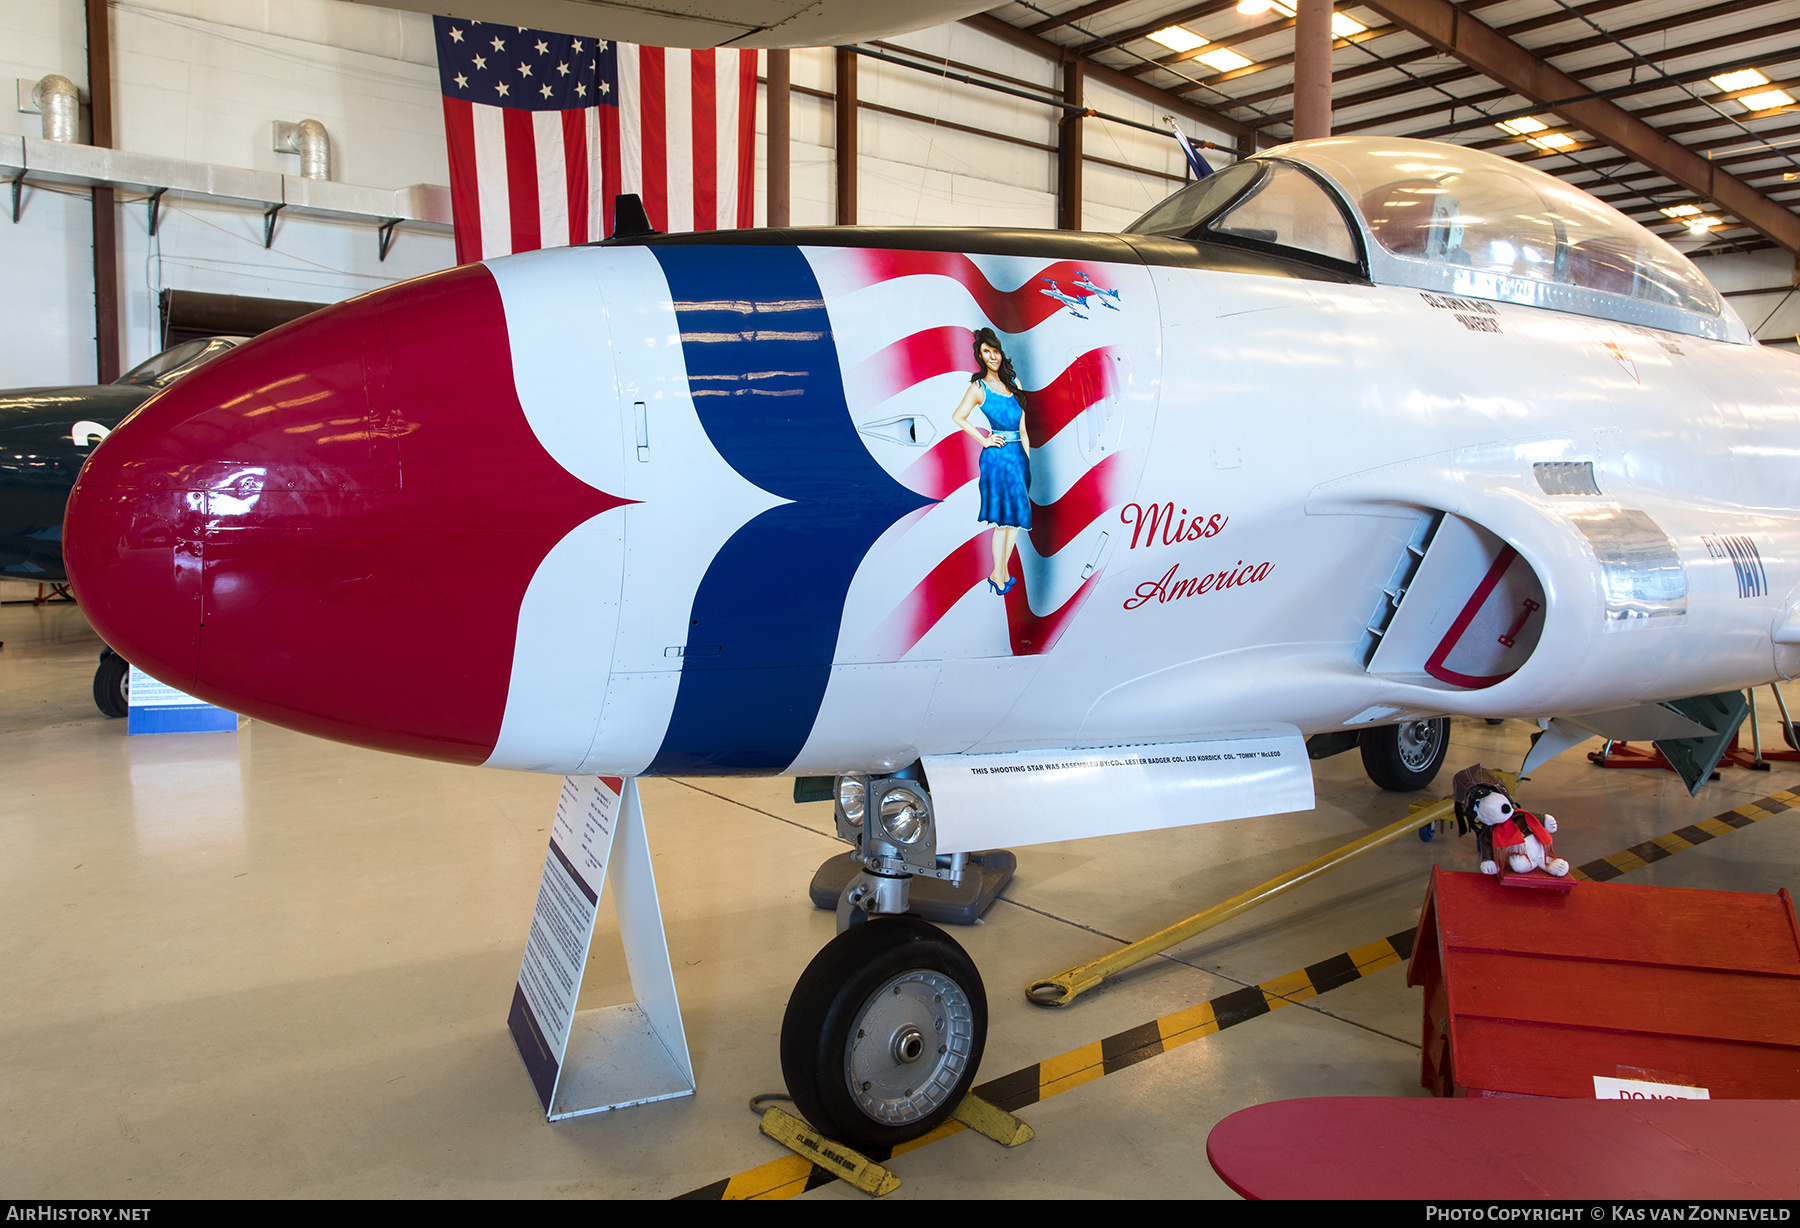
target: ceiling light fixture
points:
(1679, 210)
(1553, 142)
(1767, 100)
(1224, 59)
(1177, 38)
(1741, 80)
(1344, 27)
(1522, 126)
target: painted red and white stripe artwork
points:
(544, 130)
(905, 323)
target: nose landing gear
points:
(884, 1032)
(886, 1027)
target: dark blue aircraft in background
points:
(45, 437)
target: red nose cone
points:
(333, 526)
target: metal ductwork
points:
(59, 103)
(309, 139)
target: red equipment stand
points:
(1623, 755)
(1381, 1147)
(1534, 993)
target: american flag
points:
(545, 129)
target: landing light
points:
(850, 800)
(902, 817)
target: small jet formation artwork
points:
(1074, 302)
(1375, 432)
(1105, 297)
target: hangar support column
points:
(780, 137)
(106, 216)
(846, 136)
(1312, 69)
(1069, 149)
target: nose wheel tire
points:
(1401, 758)
(884, 1032)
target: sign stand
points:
(616, 1056)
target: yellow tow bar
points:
(1064, 987)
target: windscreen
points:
(1465, 209)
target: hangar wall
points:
(204, 79)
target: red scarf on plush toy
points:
(1507, 835)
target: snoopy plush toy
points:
(1502, 829)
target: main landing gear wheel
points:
(112, 685)
(1401, 758)
(884, 1032)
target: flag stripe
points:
(521, 179)
(575, 161)
(745, 152)
(465, 199)
(678, 138)
(653, 145)
(705, 140)
(725, 125)
(631, 121)
(552, 179)
(610, 185)
(496, 211)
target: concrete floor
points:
(260, 965)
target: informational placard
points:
(1607, 1088)
(584, 1062)
(157, 707)
(1033, 797)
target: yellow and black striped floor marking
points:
(1656, 848)
(793, 1174)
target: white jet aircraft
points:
(1374, 432)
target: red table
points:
(1429, 1148)
(1536, 992)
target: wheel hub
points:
(1418, 744)
(911, 1044)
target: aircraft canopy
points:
(1451, 219)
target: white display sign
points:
(1606, 1088)
(157, 707)
(562, 925)
(612, 1056)
(1033, 797)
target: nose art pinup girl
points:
(1005, 480)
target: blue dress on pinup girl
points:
(1005, 480)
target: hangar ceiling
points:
(1681, 114)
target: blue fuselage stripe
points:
(763, 370)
